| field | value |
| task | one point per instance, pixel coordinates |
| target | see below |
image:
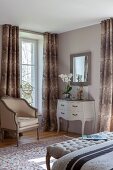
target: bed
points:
(96, 157)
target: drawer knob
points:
(74, 106)
(62, 113)
(74, 114)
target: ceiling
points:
(54, 15)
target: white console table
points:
(83, 110)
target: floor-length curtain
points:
(50, 82)
(10, 74)
(106, 74)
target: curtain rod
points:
(32, 32)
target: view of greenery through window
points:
(28, 70)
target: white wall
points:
(77, 41)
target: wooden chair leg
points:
(2, 130)
(48, 160)
(20, 134)
(37, 134)
(17, 138)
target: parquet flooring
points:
(29, 137)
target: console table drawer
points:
(75, 116)
(62, 114)
(61, 105)
(75, 107)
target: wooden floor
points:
(29, 137)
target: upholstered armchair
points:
(17, 116)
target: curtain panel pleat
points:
(10, 72)
(50, 82)
(106, 75)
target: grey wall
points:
(76, 41)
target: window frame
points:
(35, 42)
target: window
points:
(31, 68)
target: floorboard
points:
(29, 137)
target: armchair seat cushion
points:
(26, 121)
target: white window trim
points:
(35, 64)
(40, 39)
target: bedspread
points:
(97, 157)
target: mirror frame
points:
(89, 68)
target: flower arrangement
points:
(66, 78)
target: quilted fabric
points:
(60, 149)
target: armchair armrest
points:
(8, 117)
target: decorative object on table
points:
(80, 93)
(79, 77)
(95, 137)
(66, 78)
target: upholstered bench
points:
(58, 150)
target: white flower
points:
(61, 76)
(66, 77)
(70, 75)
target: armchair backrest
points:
(19, 106)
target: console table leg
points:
(58, 124)
(67, 125)
(93, 126)
(83, 126)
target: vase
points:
(67, 96)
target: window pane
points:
(28, 83)
(27, 53)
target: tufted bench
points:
(58, 150)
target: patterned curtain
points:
(106, 74)
(50, 82)
(10, 74)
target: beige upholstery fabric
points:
(17, 115)
(25, 121)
